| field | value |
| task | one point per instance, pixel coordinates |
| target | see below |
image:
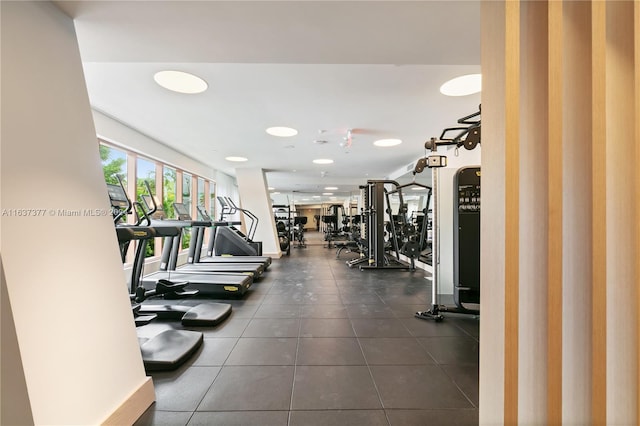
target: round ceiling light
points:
(463, 85)
(236, 159)
(181, 82)
(323, 161)
(387, 142)
(283, 132)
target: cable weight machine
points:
(468, 137)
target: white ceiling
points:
(371, 66)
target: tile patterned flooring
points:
(317, 343)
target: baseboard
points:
(134, 406)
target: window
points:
(114, 163)
(168, 191)
(201, 198)
(194, 189)
(186, 191)
(146, 175)
(186, 200)
(212, 199)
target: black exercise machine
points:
(229, 240)
(466, 219)
(210, 283)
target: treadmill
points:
(171, 249)
(204, 314)
(209, 283)
(195, 250)
(170, 348)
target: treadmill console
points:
(204, 214)
(148, 205)
(117, 196)
(181, 211)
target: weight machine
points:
(467, 199)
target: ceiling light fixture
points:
(323, 161)
(181, 82)
(283, 132)
(327, 193)
(236, 159)
(463, 85)
(331, 188)
(387, 142)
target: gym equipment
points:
(212, 283)
(298, 231)
(255, 269)
(333, 217)
(206, 314)
(466, 237)
(376, 198)
(195, 249)
(229, 240)
(466, 289)
(170, 348)
(282, 216)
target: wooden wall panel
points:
(533, 171)
(568, 120)
(555, 188)
(636, 41)
(577, 219)
(492, 373)
(621, 318)
(599, 214)
(512, 208)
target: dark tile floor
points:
(317, 343)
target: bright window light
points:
(387, 142)
(463, 85)
(181, 82)
(283, 132)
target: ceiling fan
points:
(349, 134)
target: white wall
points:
(72, 316)
(118, 133)
(254, 196)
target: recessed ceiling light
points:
(315, 196)
(463, 85)
(418, 188)
(275, 193)
(387, 142)
(181, 82)
(323, 161)
(283, 132)
(236, 159)
(327, 193)
(271, 188)
(331, 188)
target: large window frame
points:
(129, 168)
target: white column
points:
(254, 196)
(70, 307)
